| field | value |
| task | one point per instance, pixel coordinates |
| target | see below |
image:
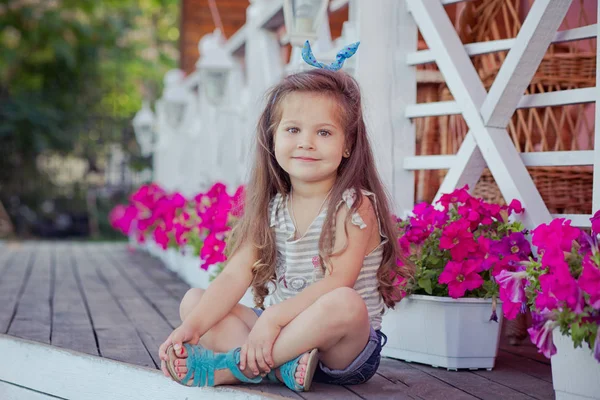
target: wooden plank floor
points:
(103, 300)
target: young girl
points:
(317, 235)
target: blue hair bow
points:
(342, 56)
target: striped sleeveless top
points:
(297, 261)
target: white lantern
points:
(303, 18)
(215, 65)
(143, 127)
(176, 97)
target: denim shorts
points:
(360, 370)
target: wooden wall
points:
(196, 21)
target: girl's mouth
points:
(305, 159)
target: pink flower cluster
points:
(562, 285)
(461, 242)
(171, 220)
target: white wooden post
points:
(385, 27)
(485, 113)
(264, 68)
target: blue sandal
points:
(202, 363)
(288, 372)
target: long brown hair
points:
(357, 171)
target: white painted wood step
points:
(36, 371)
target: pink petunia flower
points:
(512, 284)
(457, 238)
(557, 234)
(589, 281)
(457, 196)
(161, 237)
(541, 333)
(460, 277)
(596, 222)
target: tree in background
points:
(72, 74)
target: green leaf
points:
(425, 284)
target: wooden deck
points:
(105, 301)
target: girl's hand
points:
(256, 352)
(183, 334)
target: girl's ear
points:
(346, 153)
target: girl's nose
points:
(306, 145)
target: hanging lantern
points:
(215, 66)
(143, 127)
(303, 18)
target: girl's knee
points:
(344, 305)
(190, 299)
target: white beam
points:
(337, 5)
(579, 220)
(478, 48)
(559, 98)
(540, 159)
(432, 109)
(523, 60)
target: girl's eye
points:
(324, 133)
(293, 130)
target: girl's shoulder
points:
(365, 215)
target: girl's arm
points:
(224, 292)
(346, 266)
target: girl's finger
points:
(243, 353)
(252, 360)
(268, 356)
(260, 359)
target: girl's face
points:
(309, 140)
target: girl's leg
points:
(337, 324)
(230, 333)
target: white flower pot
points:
(443, 332)
(575, 372)
(172, 260)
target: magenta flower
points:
(212, 251)
(558, 234)
(487, 259)
(515, 206)
(161, 237)
(596, 222)
(589, 281)
(457, 238)
(510, 310)
(457, 196)
(122, 218)
(510, 262)
(516, 244)
(512, 284)
(460, 277)
(541, 333)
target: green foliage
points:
(68, 65)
